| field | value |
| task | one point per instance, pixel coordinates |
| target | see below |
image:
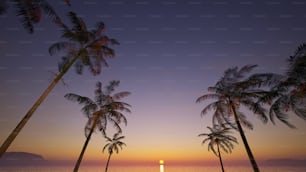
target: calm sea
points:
(151, 169)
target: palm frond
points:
(47, 8)
(105, 147)
(266, 79)
(114, 41)
(111, 86)
(275, 111)
(77, 98)
(102, 122)
(244, 122)
(120, 95)
(207, 96)
(115, 124)
(99, 29)
(246, 69)
(300, 112)
(89, 108)
(300, 51)
(76, 21)
(63, 63)
(79, 67)
(24, 13)
(59, 46)
(3, 7)
(211, 106)
(108, 52)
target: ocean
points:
(150, 169)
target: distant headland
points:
(22, 159)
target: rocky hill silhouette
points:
(21, 159)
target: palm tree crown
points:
(114, 144)
(107, 106)
(233, 89)
(30, 11)
(86, 47)
(289, 93)
(219, 136)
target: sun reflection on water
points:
(161, 168)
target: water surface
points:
(150, 169)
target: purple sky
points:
(170, 52)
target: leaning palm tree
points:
(106, 108)
(84, 48)
(219, 136)
(289, 93)
(232, 92)
(113, 145)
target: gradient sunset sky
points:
(170, 52)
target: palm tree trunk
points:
(245, 142)
(220, 158)
(78, 163)
(109, 156)
(29, 114)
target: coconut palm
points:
(106, 108)
(84, 48)
(220, 138)
(232, 92)
(113, 145)
(289, 93)
(30, 11)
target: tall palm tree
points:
(113, 145)
(232, 92)
(219, 137)
(289, 93)
(84, 48)
(106, 107)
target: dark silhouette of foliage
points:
(105, 108)
(113, 145)
(234, 91)
(288, 94)
(3, 7)
(90, 46)
(84, 48)
(30, 12)
(219, 137)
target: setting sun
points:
(161, 162)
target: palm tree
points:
(84, 48)
(289, 93)
(113, 145)
(231, 92)
(106, 107)
(219, 137)
(30, 11)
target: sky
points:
(170, 52)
